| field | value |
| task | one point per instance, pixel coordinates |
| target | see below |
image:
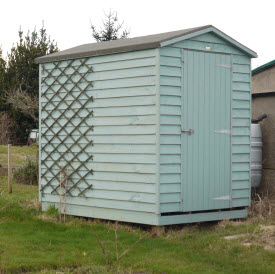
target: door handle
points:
(189, 131)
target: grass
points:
(18, 153)
(35, 241)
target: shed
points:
(152, 129)
(263, 101)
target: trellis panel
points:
(64, 91)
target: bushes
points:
(26, 173)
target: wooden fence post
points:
(9, 169)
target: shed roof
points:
(263, 67)
(137, 43)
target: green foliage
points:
(111, 30)
(2, 80)
(23, 73)
(35, 242)
(21, 68)
(26, 173)
(52, 211)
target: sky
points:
(68, 22)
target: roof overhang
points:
(230, 40)
(139, 43)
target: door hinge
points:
(223, 198)
(223, 131)
(225, 66)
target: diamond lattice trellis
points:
(65, 139)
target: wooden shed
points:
(152, 130)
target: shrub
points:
(26, 173)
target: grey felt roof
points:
(116, 46)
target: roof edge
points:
(263, 67)
(48, 58)
(218, 32)
(188, 33)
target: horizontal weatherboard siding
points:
(122, 131)
(171, 82)
(115, 121)
(170, 129)
(241, 109)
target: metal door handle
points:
(189, 131)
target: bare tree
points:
(22, 101)
(111, 29)
(5, 128)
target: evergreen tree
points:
(21, 68)
(2, 80)
(111, 30)
(22, 75)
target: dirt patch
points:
(234, 237)
(263, 235)
(269, 248)
(48, 218)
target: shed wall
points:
(264, 81)
(170, 128)
(171, 82)
(264, 104)
(123, 136)
(241, 121)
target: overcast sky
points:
(68, 22)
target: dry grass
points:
(262, 208)
(180, 230)
(263, 235)
(34, 203)
(18, 154)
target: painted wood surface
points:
(170, 129)
(171, 83)
(138, 102)
(206, 152)
(203, 217)
(122, 129)
(241, 117)
(108, 213)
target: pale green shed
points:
(152, 130)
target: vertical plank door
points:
(206, 148)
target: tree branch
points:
(20, 100)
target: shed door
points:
(206, 110)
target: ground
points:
(35, 241)
(18, 154)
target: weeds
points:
(262, 208)
(109, 263)
(36, 240)
(26, 173)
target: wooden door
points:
(206, 148)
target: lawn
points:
(34, 241)
(18, 153)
